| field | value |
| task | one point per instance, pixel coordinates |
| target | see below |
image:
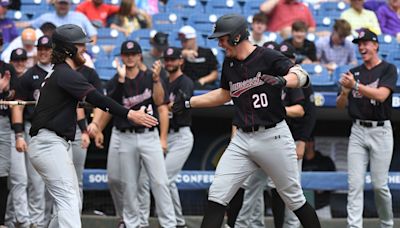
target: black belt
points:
(135, 130)
(256, 128)
(370, 123)
(175, 129)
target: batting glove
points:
(276, 81)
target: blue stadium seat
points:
(166, 21)
(320, 78)
(332, 9)
(178, 5)
(108, 36)
(340, 70)
(32, 2)
(223, 7)
(387, 45)
(251, 7)
(324, 23)
(106, 74)
(16, 15)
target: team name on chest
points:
(137, 99)
(236, 89)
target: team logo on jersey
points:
(236, 89)
(35, 77)
(129, 102)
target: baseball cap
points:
(187, 32)
(4, 3)
(130, 46)
(160, 41)
(18, 54)
(28, 36)
(287, 50)
(365, 34)
(44, 41)
(64, 1)
(172, 53)
(271, 45)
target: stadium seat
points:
(106, 74)
(223, 7)
(251, 7)
(16, 15)
(387, 45)
(340, 70)
(189, 5)
(108, 36)
(320, 78)
(324, 23)
(166, 21)
(332, 9)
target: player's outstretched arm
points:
(17, 120)
(213, 98)
(296, 78)
(109, 105)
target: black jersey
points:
(28, 89)
(185, 84)
(361, 107)
(59, 96)
(301, 127)
(134, 94)
(92, 77)
(256, 103)
(9, 94)
(202, 65)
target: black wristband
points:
(18, 127)
(82, 125)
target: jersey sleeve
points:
(280, 64)
(94, 79)
(389, 78)
(74, 83)
(296, 96)
(21, 91)
(224, 79)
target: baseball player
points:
(54, 122)
(7, 85)
(180, 137)
(301, 119)
(27, 187)
(131, 145)
(250, 78)
(367, 91)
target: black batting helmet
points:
(65, 36)
(233, 25)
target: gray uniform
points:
(371, 140)
(26, 201)
(5, 146)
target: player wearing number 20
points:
(253, 77)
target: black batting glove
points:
(181, 102)
(276, 81)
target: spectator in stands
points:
(359, 17)
(335, 50)
(258, 28)
(61, 16)
(130, 18)
(7, 25)
(27, 42)
(200, 63)
(305, 50)
(282, 13)
(388, 18)
(315, 161)
(19, 60)
(159, 43)
(97, 11)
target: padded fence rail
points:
(96, 179)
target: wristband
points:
(82, 125)
(356, 85)
(187, 104)
(19, 135)
(18, 127)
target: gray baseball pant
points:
(26, 197)
(180, 145)
(49, 155)
(5, 146)
(374, 145)
(247, 152)
(79, 158)
(130, 149)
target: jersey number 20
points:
(260, 100)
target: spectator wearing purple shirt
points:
(388, 17)
(7, 26)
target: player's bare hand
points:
(142, 118)
(347, 80)
(99, 140)
(121, 70)
(93, 129)
(156, 70)
(164, 145)
(276, 81)
(5, 81)
(20, 145)
(85, 140)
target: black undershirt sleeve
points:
(106, 104)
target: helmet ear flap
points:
(234, 40)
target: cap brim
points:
(217, 35)
(83, 41)
(357, 40)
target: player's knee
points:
(294, 199)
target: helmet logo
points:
(129, 45)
